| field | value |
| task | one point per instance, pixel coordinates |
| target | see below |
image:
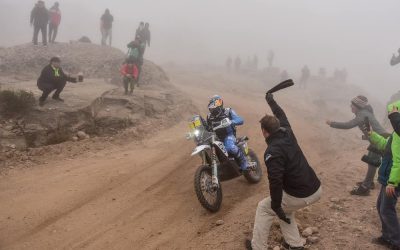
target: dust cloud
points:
(357, 35)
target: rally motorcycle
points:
(217, 165)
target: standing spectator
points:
(53, 78)
(270, 58)
(238, 64)
(255, 62)
(389, 177)
(293, 184)
(139, 31)
(322, 73)
(54, 22)
(39, 20)
(228, 63)
(362, 110)
(305, 76)
(135, 53)
(106, 27)
(147, 34)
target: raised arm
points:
(277, 111)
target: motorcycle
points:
(217, 165)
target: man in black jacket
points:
(53, 78)
(293, 183)
(39, 20)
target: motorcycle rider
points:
(219, 114)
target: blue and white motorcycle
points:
(217, 165)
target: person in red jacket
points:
(54, 21)
(130, 73)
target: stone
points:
(219, 222)
(307, 232)
(335, 200)
(75, 138)
(313, 239)
(276, 248)
(81, 135)
(315, 230)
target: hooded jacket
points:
(389, 171)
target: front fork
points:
(214, 166)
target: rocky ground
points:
(133, 189)
(96, 107)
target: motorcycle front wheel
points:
(210, 198)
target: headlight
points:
(196, 133)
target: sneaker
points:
(360, 190)
(248, 245)
(372, 185)
(58, 99)
(381, 241)
(289, 247)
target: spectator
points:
(389, 177)
(147, 34)
(362, 110)
(130, 73)
(305, 76)
(53, 78)
(106, 27)
(293, 184)
(39, 20)
(54, 22)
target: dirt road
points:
(140, 195)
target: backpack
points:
(133, 53)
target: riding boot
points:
(242, 160)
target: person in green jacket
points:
(362, 110)
(389, 177)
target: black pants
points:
(53, 29)
(43, 29)
(48, 88)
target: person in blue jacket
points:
(220, 114)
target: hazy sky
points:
(360, 35)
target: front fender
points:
(200, 149)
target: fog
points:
(357, 35)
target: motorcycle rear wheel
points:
(209, 198)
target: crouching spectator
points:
(53, 78)
(389, 177)
(130, 74)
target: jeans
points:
(53, 29)
(106, 33)
(371, 172)
(265, 216)
(48, 88)
(233, 149)
(43, 29)
(129, 83)
(387, 213)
